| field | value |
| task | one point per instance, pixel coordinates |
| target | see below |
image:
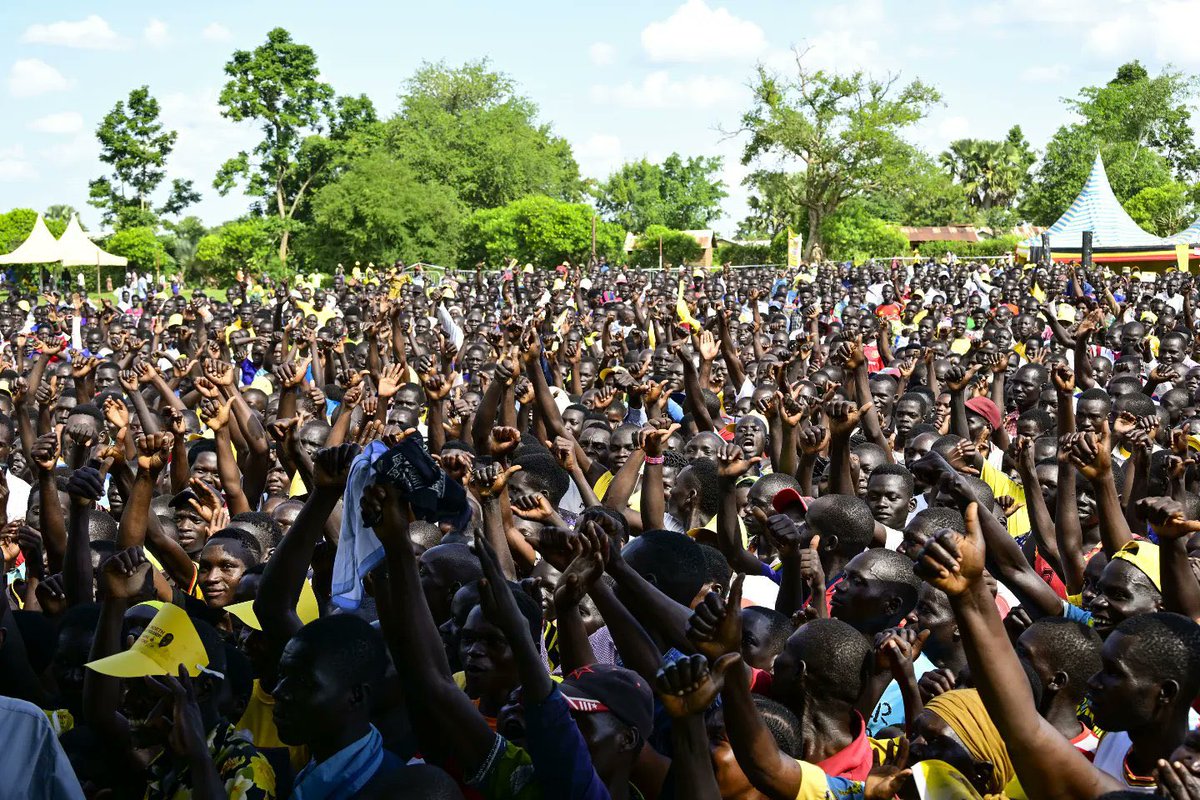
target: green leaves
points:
(539, 230)
(467, 128)
(380, 207)
(837, 131)
(304, 126)
(851, 233)
(141, 246)
(134, 143)
(991, 173)
(679, 193)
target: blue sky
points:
(620, 80)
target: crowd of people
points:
(894, 530)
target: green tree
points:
(185, 237)
(246, 244)
(1161, 210)
(59, 213)
(1152, 112)
(841, 129)
(306, 130)
(851, 233)
(992, 173)
(774, 203)
(379, 210)
(684, 194)
(468, 128)
(677, 248)
(135, 145)
(1139, 124)
(539, 230)
(916, 191)
(144, 249)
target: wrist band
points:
(655, 459)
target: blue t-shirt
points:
(889, 710)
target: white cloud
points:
(840, 50)
(954, 127)
(696, 33)
(206, 138)
(659, 90)
(216, 32)
(1047, 73)
(599, 155)
(14, 167)
(62, 122)
(156, 34)
(90, 33)
(78, 149)
(602, 54)
(1108, 37)
(31, 76)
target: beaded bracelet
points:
(655, 459)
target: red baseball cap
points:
(986, 409)
(789, 497)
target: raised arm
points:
(85, 488)
(231, 477)
(732, 464)
(1092, 454)
(1048, 765)
(454, 726)
(53, 525)
(287, 569)
(1180, 590)
(716, 630)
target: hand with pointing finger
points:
(844, 416)
(653, 438)
(688, 685)
(732, 462)
(491, 480)
(813, 574)
(715, 627)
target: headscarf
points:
(963, 711)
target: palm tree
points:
(991, 172)
(59, 213)
(184, 250)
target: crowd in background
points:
(893, 530)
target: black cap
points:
(603, 687)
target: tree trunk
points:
(814, 232)
(283, 248)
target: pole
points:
(593, 238)
(660, 252)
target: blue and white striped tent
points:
(1097, 209)
(1189, 235)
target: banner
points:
(793, 241)
(1181, 256)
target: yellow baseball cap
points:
(169, 642)
(1145, 556)
(306, 609)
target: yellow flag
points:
(1181, 256)
(793, 249)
